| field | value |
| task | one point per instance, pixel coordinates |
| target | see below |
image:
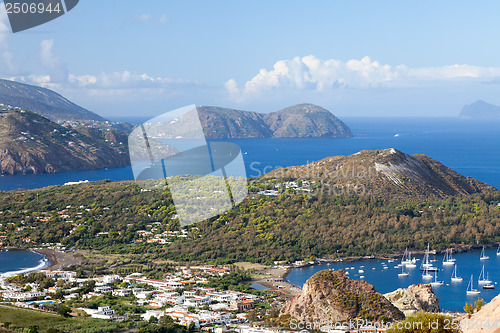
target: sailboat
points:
(426, 274)
(470, 287)
(454, 277)
(484, 279)
(448, 260)
(411, 262)
(405, 260)
(426, 265)
(403, 273)
(436, 282)
(483, 255)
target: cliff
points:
(331, 296)
(413, 299)
(30, 143)
(486, 320)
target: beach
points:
(58, 259)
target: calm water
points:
(17, 262)
(469, 147)
(452, 296)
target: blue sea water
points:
(15, 262)
(452, 296)
(469, 147)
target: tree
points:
(64, 310)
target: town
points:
(184, 295)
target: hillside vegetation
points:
(290, 225)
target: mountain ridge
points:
(33, 144)
(43, 101)
(387, 171)
(298, 121)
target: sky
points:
(123, 58)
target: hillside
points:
(480, 110)
(304, 121)
(387, 172)
(299, 121)
(290, 225)
(330, 296)
(43, 101)
(30, 143)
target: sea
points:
(383, 275)
(470, 147)
(14, 262)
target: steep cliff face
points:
(486, 320)
(413, 299)
(330, 295)
(32, 144)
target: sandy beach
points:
(58, 259)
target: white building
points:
(102, 312)
(21, 297)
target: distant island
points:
(480, 110)
(43, 132)
(298, 121)
(33, 144)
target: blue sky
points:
(356, 58)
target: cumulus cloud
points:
(115, 83)
(147, 18)
(312, 73)
(55, 68)
(7, 66)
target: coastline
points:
(52, 260)
(58, 259)
(43, 263)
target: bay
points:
(13, 262)
(452, 296)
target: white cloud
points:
(147, 18)
(112, 84)
(55, 68)
(7, 66)
(314, 74)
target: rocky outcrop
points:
(332, 296)
(486, 320)
(413, 299)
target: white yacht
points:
(470, 287)
(455, 277)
